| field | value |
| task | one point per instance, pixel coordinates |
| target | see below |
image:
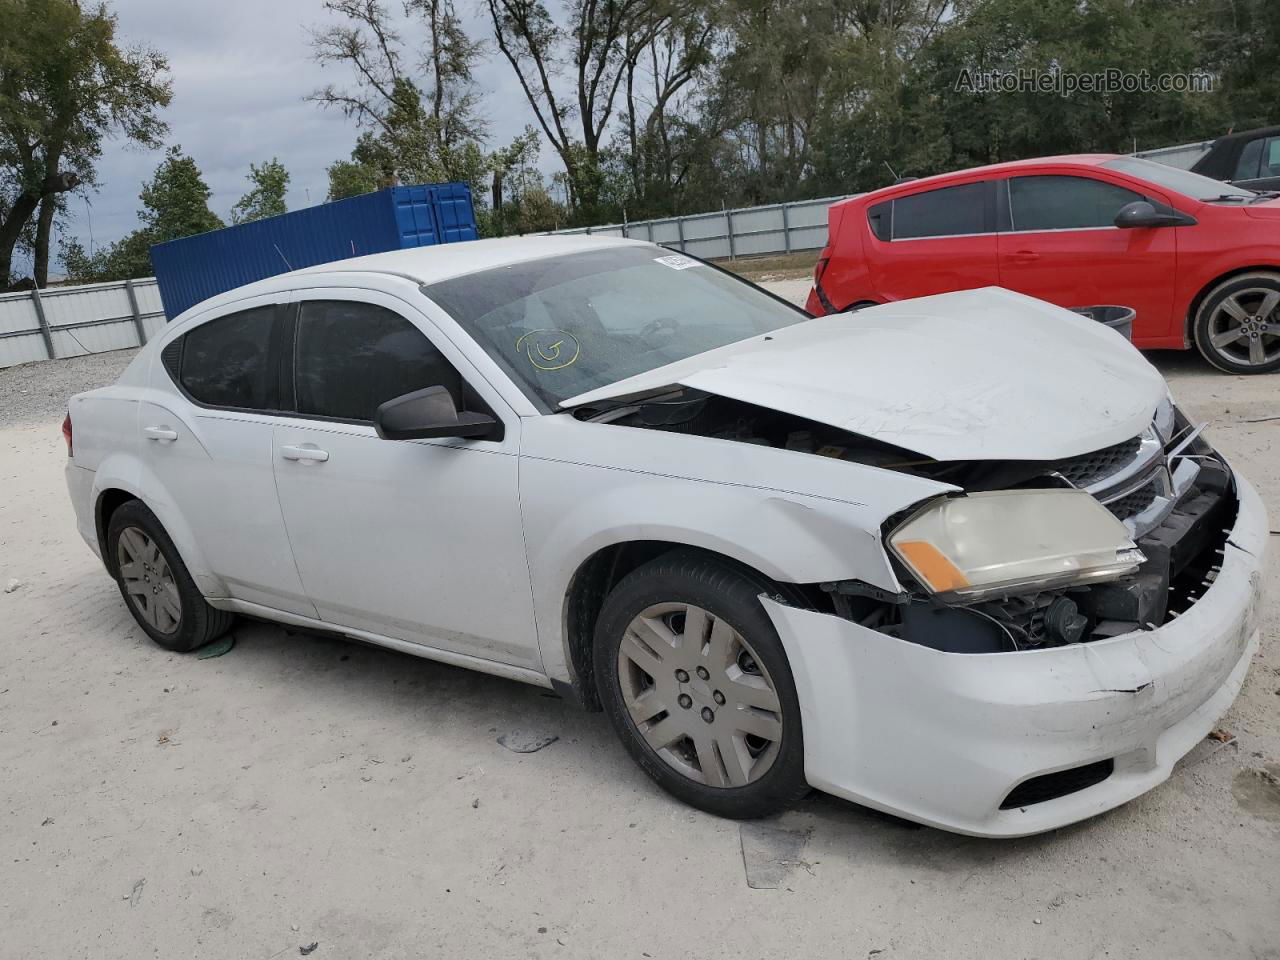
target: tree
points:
(1061, 36)
(660, 141)
(175, 204)
(418, 126)
(65, 86)
(266, 197)
(601, 38)
(350, 178)
(1242, 43)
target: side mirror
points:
(1143, 213)
(430, 414)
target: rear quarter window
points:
(223, 363)
(946, 212)
(880, 219)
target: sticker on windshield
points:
(678, 261)
(549, 349)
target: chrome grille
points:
(1087, 468)
(1132, 504)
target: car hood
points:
(974, 375)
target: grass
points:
(790, 266)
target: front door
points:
(418, 540)
(1060, 243)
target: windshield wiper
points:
(1225, 197)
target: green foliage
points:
(735, 102)
(65, 86)
(129, 258)
(1242, 41)
(1013, 35)
(419, 130)
(175, 204)
(350, 178)
(270, 183)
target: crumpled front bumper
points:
(942, 738)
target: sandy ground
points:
(303, 790)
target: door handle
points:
(159, 433)
(1024, 256)
(306, 452)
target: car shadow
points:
(473, 709)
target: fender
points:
(122, 471)
(748, 507)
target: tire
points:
(155, 583)
(1248, 307)
(860, 305)
(727, 771)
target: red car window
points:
(1065, 203)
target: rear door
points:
(419, 540)
(934, 241)
(209, 444)
(1059, 242)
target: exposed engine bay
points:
(1168, 486)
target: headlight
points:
(1012, 541)
(1164, 419)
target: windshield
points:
(561, 326)
(1181, 181)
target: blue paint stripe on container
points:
(194, 269)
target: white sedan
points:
(957, 558)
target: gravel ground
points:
(302, 790)
(35, 392)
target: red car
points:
(1198, 259)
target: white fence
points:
(728, 234)
(783, 227)
(1183, 156)
(72, 321)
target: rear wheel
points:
(697, 685)
(1237, 327)
(155, 584)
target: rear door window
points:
(1270, 158)
(948, 212)
(351, 357)
(1065, 203)
(1247, 165)
(880, 217)
(224, 362)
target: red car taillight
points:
(66, 434)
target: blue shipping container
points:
(196, 268)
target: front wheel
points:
(697, 685)
(1237, 327)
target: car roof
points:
(1248, 134)
(425, 265)
(993, 169)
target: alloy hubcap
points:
(1244, 328)
(699, 696)
(148, 581)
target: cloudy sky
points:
(241, 70)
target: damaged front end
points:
(1174, 496)
(1167, 495)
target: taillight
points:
(66, 434)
